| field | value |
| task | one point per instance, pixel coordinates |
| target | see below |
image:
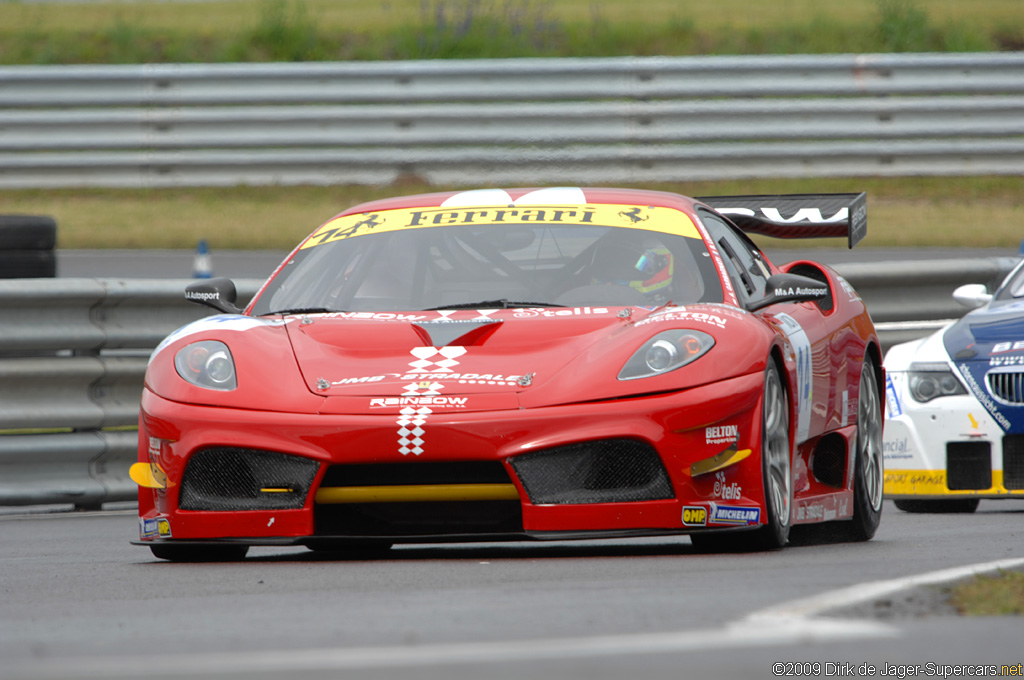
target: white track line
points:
(788, 623)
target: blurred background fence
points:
(511, 121)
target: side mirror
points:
(791, 288)
(972, 295)
(218, 293)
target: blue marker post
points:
(201, 268)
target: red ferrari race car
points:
(522, 364)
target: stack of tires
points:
(26, 246)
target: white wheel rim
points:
(869, 437)
(775, 448)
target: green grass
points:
(310, 30)
(998, 595)
(973, 212)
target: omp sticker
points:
(659, 219)
(892, 398)
(159, 527)
(804, 375)
(695, 516)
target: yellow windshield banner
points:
(664, 220)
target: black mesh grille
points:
(245, 479)
(1013, 461)
(968, 466)
(603, 471)
(829, 464)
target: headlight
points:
(933, 380)
(207, 364)
(666, 352)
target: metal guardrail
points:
(73, 353)
(511, 121)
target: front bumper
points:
(949, 447)
(680, 428)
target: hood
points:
(996, 331)
(429, 358)
(505, 359)
(987, 348)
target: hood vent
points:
(457, 332)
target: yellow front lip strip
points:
(417, 492)
(719, 462)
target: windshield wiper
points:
(303, 310)
(493, 304)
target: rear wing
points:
(797, 215)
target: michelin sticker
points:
(734, 515)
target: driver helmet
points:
(646, 268)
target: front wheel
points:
(867, 461)
(776, 471)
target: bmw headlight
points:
(933, 380)
(207, 364)
(666, 352)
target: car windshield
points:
(493, 266)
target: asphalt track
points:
(78, 601)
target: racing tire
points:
(867, 462)
(27, 232)
(776, 471)
(26, 246)
(950, 506)
(199, 553)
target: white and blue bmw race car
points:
(954, 429)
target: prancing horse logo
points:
(633, 215)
